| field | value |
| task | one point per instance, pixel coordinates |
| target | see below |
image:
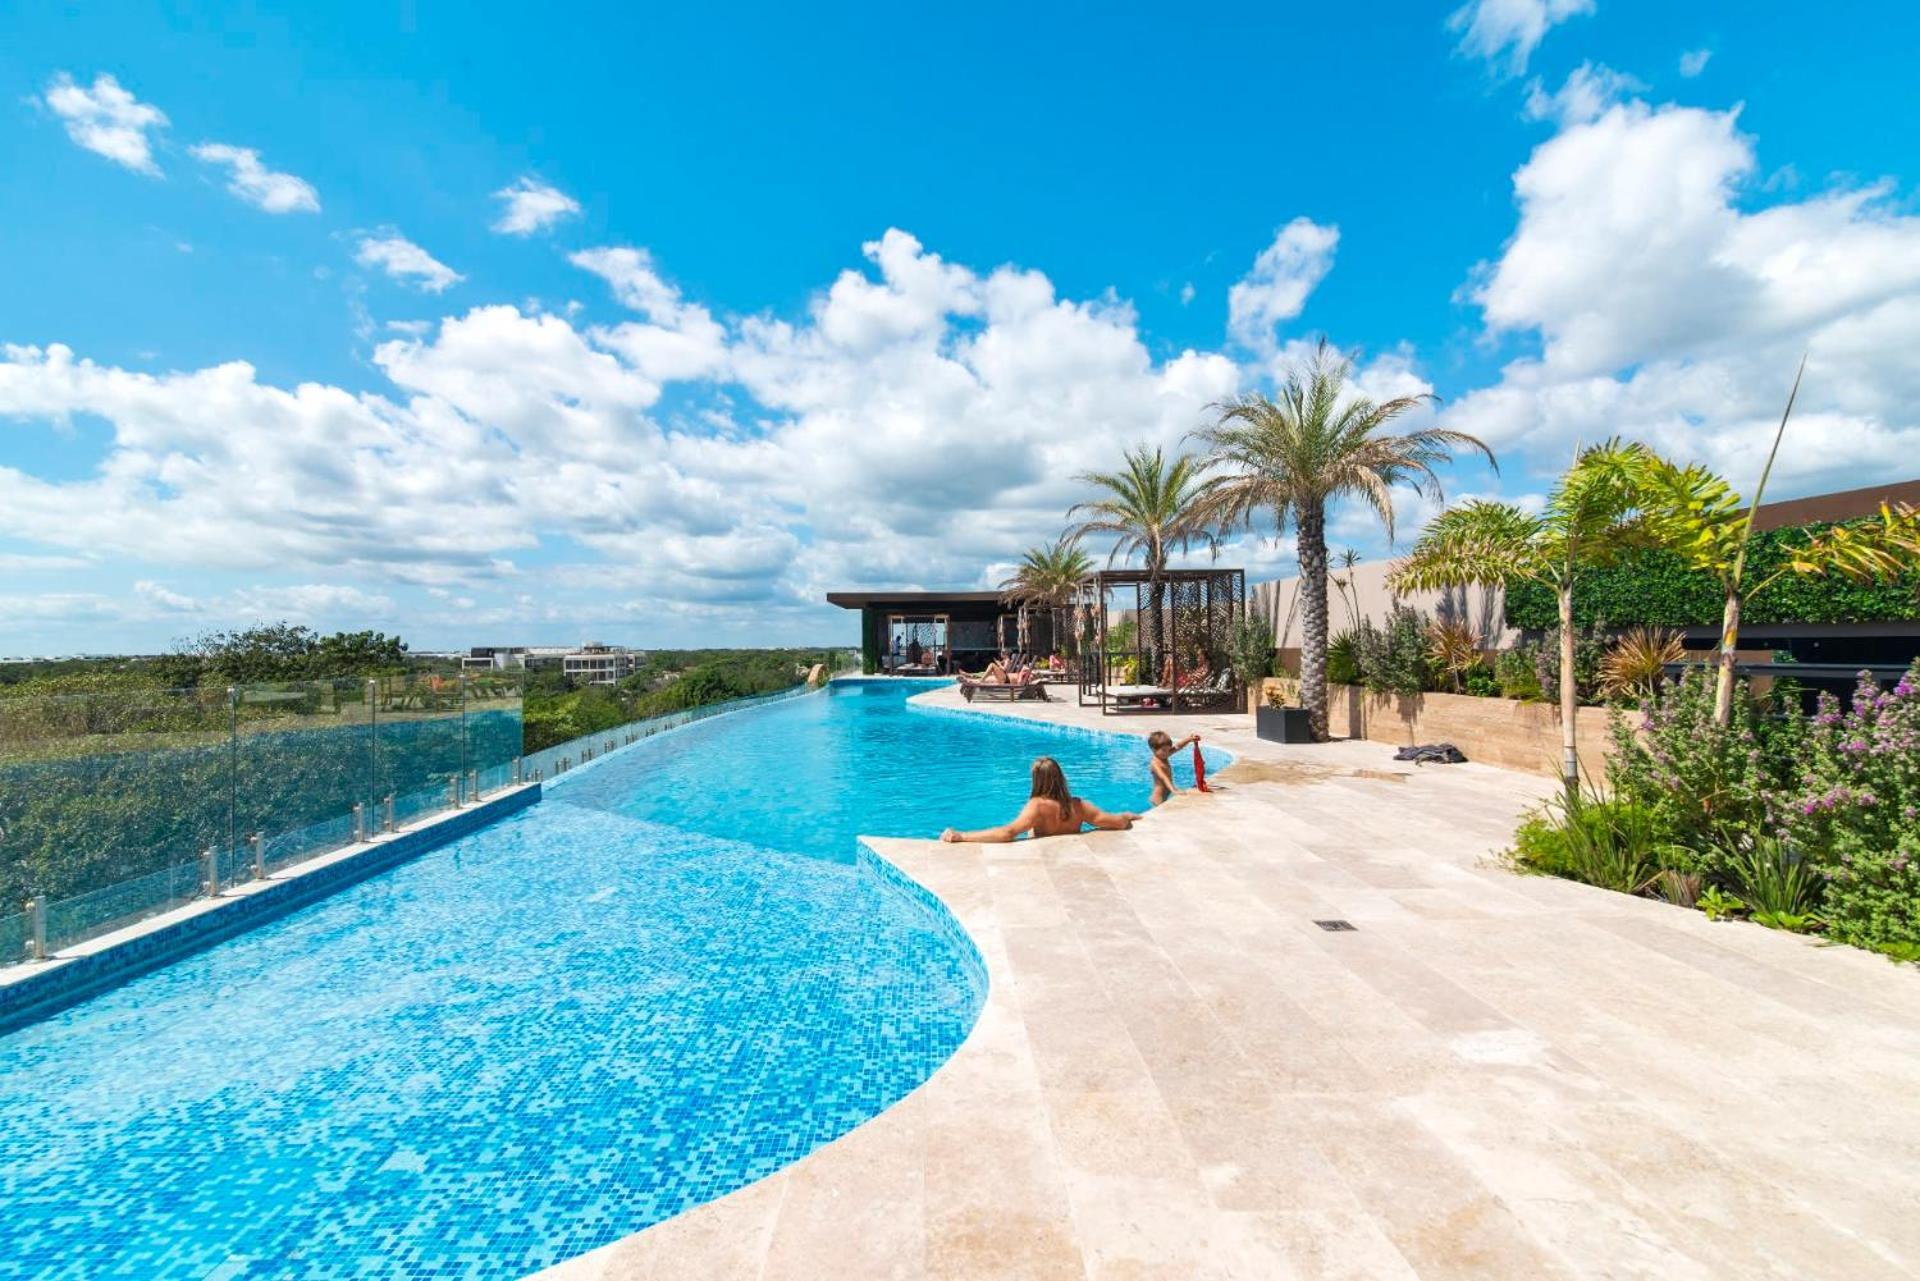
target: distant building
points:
(597, 664)
(494, 658)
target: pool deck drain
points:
(1178, 1074)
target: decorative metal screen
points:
(1162, 643)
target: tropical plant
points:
(1290, 456)
(1343, 661)
(1772, 878)
(1453, 646)
(1696, 515)
(1587, 835)
(1589, 648)
(1344, 561)
(1393, 659)
(1050, 578)
(1588, 520)
(1150, 507)
(1250, 647)
(1517, 674)
(1682, 889)
(1635, 665)
(1720, 905)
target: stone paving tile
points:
(1178, 1075)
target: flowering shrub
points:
(1856, 806)
(1394, 660)
(1707, 786)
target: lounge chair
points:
(1024, 684)
(1136, 695)
(1216, 691)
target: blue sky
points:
(799, 301)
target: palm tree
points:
(1698, 517)
(1590, 519)
(1149, 507)
(1292, 457)
(1049, 577)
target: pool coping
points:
(1178, 1072)
(34, 990)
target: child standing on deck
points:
(1163, 748)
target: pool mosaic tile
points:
(676, 974)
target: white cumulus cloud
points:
(259, 186)
(1587, 92)
(532, 205)
(107, 120)
(1283, 275)
(1694, 61)
(1510, 30)
(1668, 307)
(405, 261)
(920, 419)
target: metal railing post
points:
(453, 790)
(387, 824)
(518, 766)
(210, 871)
(37, 941)
(259, 843)
(359, 822)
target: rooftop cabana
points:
(938, 633)
(1160, 643)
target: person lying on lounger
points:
(1163, 747)
(1052, 810)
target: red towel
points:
(1200, 770)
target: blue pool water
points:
(668, 979)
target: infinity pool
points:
(670, 978)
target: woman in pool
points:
(1163, 747)
(1052, 810)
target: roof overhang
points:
(912, 600)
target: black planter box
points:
(1283, 724)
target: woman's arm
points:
(1021, 824)
(1091, 815)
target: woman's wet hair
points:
(1051, 782)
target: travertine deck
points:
(1178, 1075)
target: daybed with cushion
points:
(1022, 686)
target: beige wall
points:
(1493, 731)
(1485, 607)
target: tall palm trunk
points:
(1153, 622)
(1311, 523)
(1729, 642)
(1569, 695)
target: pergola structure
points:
(1161, 643)
(939, 633)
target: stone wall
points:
(1493, 731)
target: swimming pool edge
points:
(104, 964)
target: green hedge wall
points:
(1655, 589)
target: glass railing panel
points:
(493, 728)
(113, 907)
(101, 793)
(16, 929)
(420, 742)
(303, 758)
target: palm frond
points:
(1480, 543)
